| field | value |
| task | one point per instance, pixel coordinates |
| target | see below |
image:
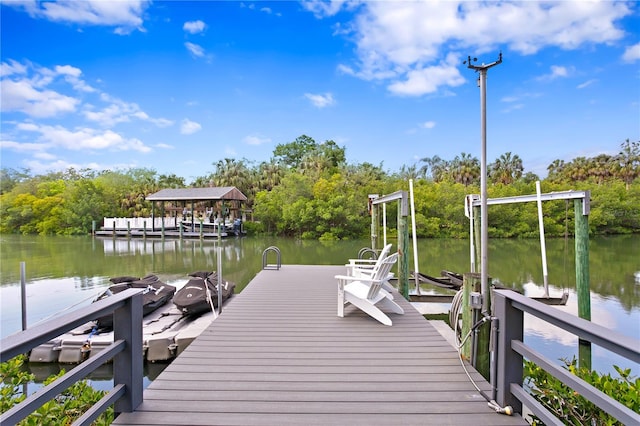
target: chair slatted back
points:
(385, 251)
(383, 254)
(382, 270)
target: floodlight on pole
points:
(484, 220)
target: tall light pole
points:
(484, 220)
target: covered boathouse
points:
(205, 204)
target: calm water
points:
(71, 271)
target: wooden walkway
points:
(279, 355)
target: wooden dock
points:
(279, 355)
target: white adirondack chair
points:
(355, 267)
(365, 268)
(368, 294)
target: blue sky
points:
(177, 86)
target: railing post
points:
(509, 362)
(128, 365)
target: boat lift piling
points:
(403, 234)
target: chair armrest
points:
(363, 262)
(343, 278)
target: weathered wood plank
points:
(279, 355)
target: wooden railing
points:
(126, 352)
(509, 308)
(148, 223)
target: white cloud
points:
(402, 42)
(256, 140)
(79, 139)
(587, 83)
(118, 111)
(24, 88)
(68, 70)
(512, 107)
(320, 100)
(23, 96)
(24, 147)
(632, 53)
(195, 49)
(426, 80)
(124, 15)
(12, 68)
(556, 71)
(322, 8)
(72, 76)
(189, 127)
(428, 124)
(194, 27)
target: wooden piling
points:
(374, 226)
(403, 249)
(583, 290)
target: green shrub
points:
(64, 409)
(568, 405)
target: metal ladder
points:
(265, 254)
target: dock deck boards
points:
(279, 355)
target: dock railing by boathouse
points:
(510, 308)
(126, 352)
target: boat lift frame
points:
(403, 233)
(473, 200)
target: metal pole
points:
(484, 219)
(23, 294)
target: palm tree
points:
(269, 175)
(628, 162)
(506, 169)
(232, 172)
(435, 167)
(556, 170)
(601, 168)
(465, 169)
(578, 169)
(408, 172)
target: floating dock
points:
(280, 355)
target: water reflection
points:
(64, 271)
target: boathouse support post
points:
(128, 364)
(582, 273)
(162, 213)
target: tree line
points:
(308, 190)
